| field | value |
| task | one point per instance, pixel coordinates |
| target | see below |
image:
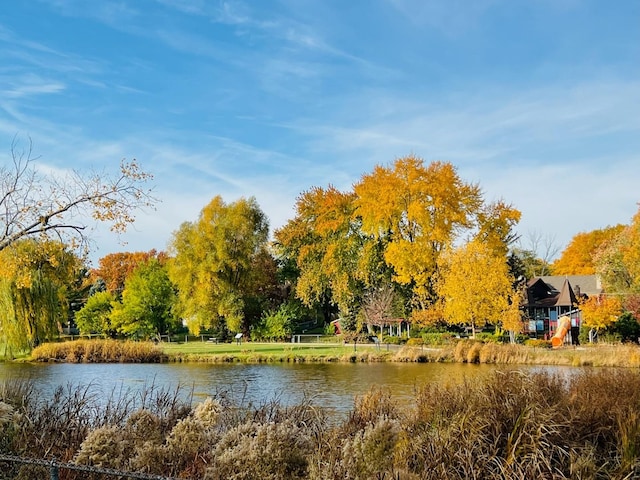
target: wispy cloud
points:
(30, 85)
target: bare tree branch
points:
(33, 204)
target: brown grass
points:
(510, 425)
(98, 351)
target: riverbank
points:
(464, 351)
(509, 425)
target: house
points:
(548, 298)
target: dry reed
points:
(510, 425)
(98, 351)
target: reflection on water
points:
(330, 385)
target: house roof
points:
(566, 298)
(582, 284)
(543, 294)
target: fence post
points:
(53, 472)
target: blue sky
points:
(538, 101)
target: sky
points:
(537, 101)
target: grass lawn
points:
(260, 351)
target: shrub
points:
(270, 451)
(537, 343)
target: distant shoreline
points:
(463, 351)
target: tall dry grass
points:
(99, 351)
(510, 425)
(476, 351)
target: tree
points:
(212, 260)
(147, 307)
(418, 211)
(335, 261)
(527, 264)
(95, 315)
(36, 205)
(578, 257)
(496, 223)
(626, 327)
(114, 268)
(538, 253)
(378, 306)
(599, 312)
(276, 324)
(35, 277)
(618, 262)
(512, 318)
(474, 285)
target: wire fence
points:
(54, 467)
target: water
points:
(329, 385)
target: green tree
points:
(95, 315)
(474, 285)
(148, 300)
(276, 324)
(35, 277)
(212, 260)
(525, 263)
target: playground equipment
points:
(564, 324)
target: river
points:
(329, 385)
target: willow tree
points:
(475, 286)
(35, 278)
(417, 211)
(212, 260)
(60, 206)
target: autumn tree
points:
(114, 268)
(35, 278)
(578, 257)
(417, 211)
(512, 319)
(618, 262)
(335, 261)
(148, 301)
(33, 204)
(212, 259)
(599, 312)
(496, 223)
(474, 285)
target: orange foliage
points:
(578, 257)
(115, 268)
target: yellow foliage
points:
(428, 317)
(475, 285)
(600, 311)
